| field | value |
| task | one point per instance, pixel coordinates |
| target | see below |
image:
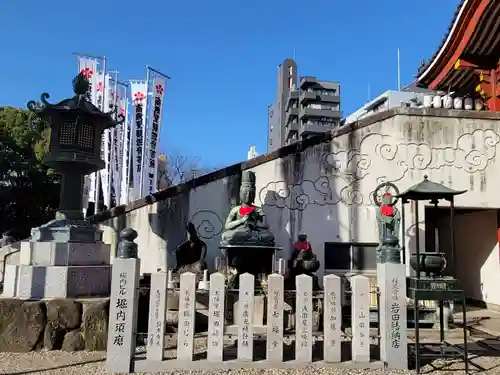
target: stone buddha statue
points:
(246, 224)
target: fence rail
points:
(304, 305)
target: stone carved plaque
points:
(216, 318)
(275, 307)
(157, 311)
(394, 316)
(332, 318)
(303, 318)
(123, 315)
(245, 311)
(187, 305)
(360, 306)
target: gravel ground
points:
(64, 363)
(55, 363)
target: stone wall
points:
(324, 186)
(69, 325)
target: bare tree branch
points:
(176, 168)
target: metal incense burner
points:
(434, 286)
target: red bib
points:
(246, 210)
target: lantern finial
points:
(81, 84)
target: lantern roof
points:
(79, 105)
(428, 190)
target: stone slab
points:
(123, 315)
(216, 318)
(245, 327)
(144, 366)
(185, 337)
(332, 318)
(37, 282)
(393, 313)
(157, 316)
(65, 254)
(10, 281)
(360, 310)
(275, 304)
(303, 338)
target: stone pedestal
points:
(59, 269)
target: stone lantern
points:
(66, 258)
(75, 151)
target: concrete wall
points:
(326, 190)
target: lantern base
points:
(66, 230)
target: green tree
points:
(29, 191)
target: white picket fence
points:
(123, 312)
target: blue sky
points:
(222, 55)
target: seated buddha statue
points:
(246, 224)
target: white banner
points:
(117, 143)
(139, 97)
(88, 67)
(126, 158)
(109, 102)
(150, 179)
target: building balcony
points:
(312, 127)
(292, 95)
(319, 112)
(291, 115)
(308, 96)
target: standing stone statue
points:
(388, 218)
(191, 253)
(302, 261)
(246, 224)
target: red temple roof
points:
(473, 38)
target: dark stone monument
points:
(191, 253)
